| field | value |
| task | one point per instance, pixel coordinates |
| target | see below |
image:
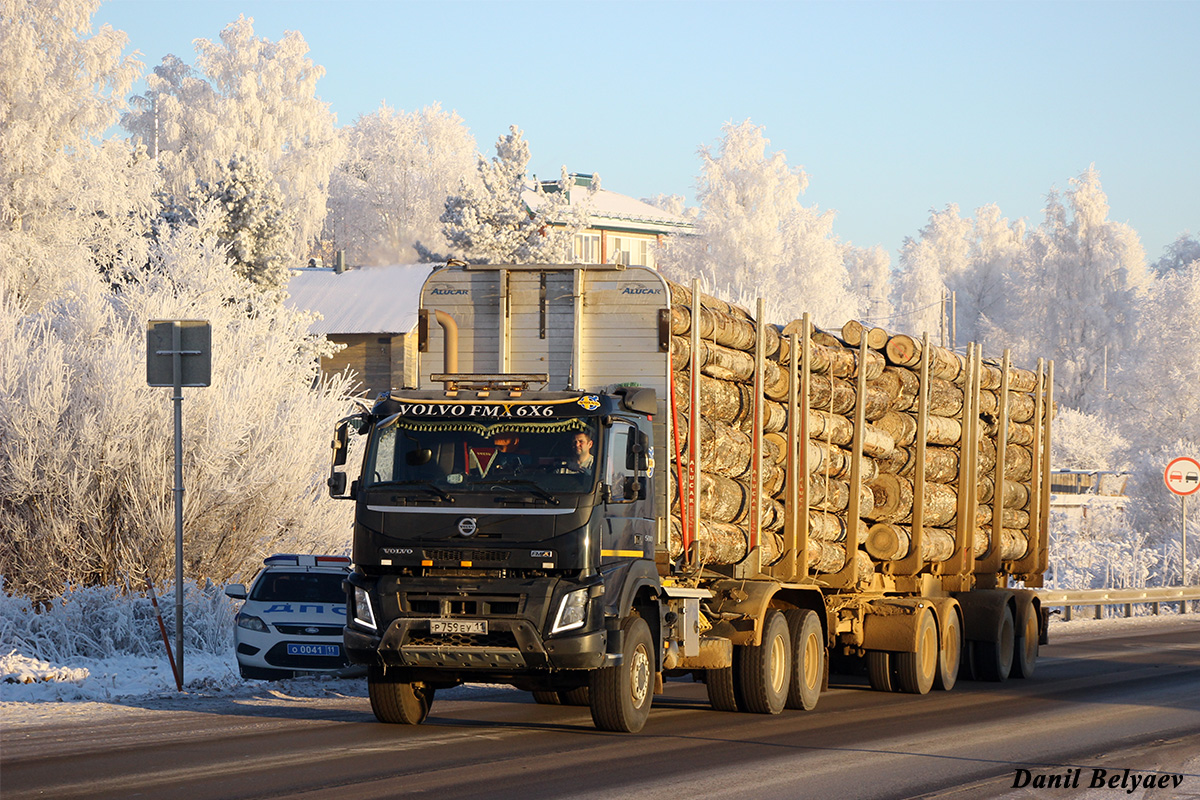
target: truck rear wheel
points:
(1025, 650)
(546, 698)
(992, 658)
(950, 652)
(620, 696)
(397, 701)
(916, 671)
(580, 696)
(765, 668)
(808, 658)
(879, 670)
(722, 689)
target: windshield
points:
(302, 587)
(446, 456)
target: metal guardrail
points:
(1099, 598)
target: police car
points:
(292, 618)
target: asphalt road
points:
(1103, 701)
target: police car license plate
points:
(458, 626)
(314, 650)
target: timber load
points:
(837, 458)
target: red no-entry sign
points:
(1182, 475)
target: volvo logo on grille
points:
(467, 526)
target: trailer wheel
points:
(620, 696)
(722, 688)
(879, 670)
(1025, 650)
(765, 668)
(915, 671)
(993, 658)
(546, 698)
(950, 652)
(397, 701)
(808, 658)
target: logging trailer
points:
(808, 517)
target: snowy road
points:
(1108, 697)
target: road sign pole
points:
(1183, 542)
(177, 370)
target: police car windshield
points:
(555, 456)
(303, 587)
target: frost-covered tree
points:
(67, 204)
(927, 264)
(1180, 254)
(391, 188)
(979, 289)
(1074, 293)
(252, 223)
(86, 455)
(501, 219)
(754, 235)
(245, 95)
(870, 271)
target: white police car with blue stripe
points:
(292, 619)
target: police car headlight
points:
(252, 623)
(571, 611)
(363, 614)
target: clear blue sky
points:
(892, 109)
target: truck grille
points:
(474, 556)
(491, 641)
(303, 630)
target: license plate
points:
(314, 650)
(458, 626)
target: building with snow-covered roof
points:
(372, 311)
(621, 230)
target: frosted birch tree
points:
(1073, 294)
(754, 236)
(67, 205)
(245, 95)
(391, 188)
(502, 218)
(927, 263)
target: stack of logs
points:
(886, 499)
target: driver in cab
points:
(580, 459)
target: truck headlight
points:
(363, 614)
(252, 623)
(571, 611)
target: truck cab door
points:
(628, 511)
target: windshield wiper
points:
(532, 486)
(428, 486)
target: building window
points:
(587, 248)
(632, 252)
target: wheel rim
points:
(778, 663)
(639, 677)
(812, 655)
(951, 647)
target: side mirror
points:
(635, 490)
(336, 484)
(341, 443)
(236, 590)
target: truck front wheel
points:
(620, 696)
(397, 701)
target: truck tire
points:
(396, 701)
(575, 697)
(620, 696)
(915, 671)
(765, 669)
(950, 652)
(722, 689)
(993, 658)
(879, 671)
(808, 658)
(1025, 647)
(546, 698)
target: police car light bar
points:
(298, 560)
